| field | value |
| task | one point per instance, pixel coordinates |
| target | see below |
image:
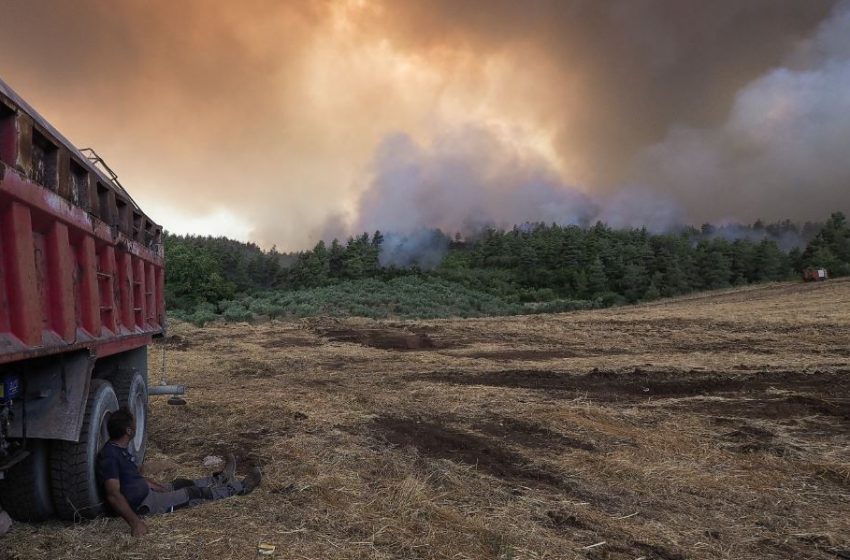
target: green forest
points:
(533, 268)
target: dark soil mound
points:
(383, 338)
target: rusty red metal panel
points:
(69, 278)
(160, 296)
(41, 278)
(63, 173)
(150, 294)
(60, 282)
(5, 322)
(20, 275)
(106, 289)
(23, 129)
(103, 347)
(51, 206)
(88, 291)
(116, 346)
(8, 135)
(125, 289)
(139, 302)
(93, 204)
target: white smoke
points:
(639, 206)
(783, 148)
(475, 178)
(463, 181)
(423, 248)
(785, 239)
(781, 152)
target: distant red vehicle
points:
(815, 274)
(81, 296)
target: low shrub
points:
(237, 313)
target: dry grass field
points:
(713, 426)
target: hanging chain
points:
(163, 378)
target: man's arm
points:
(119, 504)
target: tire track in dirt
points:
(434, 439)
(821, 393)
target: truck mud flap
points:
(55, 392)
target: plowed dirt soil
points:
(712, 426)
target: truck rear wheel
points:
(25, 490)
(72, 465)
(132, 391)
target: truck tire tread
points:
(122, 381)
(72, 464)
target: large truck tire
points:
(25, 489)
(132, 391)
(72, 465)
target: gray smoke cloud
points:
(462, 181)
(474, 178)
(254, 119)
(785, 239)
(782, 150)
(423, 248)
(618, 73)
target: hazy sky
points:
(284, 121)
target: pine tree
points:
(597, 280)
(634, 282)
(830, 248)
(652, 292)
(712, 266)
(335, 257)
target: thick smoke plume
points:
(257, 119)
(786, 236)
(779, 152)
(464, 181)
(611, 77)
(475, 178)
(782, 150)
(424, 249)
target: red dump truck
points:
(81, 297)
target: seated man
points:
(132, 495)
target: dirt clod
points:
(385, 339)
(528, 434)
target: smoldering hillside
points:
(776, 154)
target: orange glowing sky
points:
(260, 120)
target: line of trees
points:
(830, 248)
(533, 263)
(210, 269)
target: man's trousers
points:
(211, 488)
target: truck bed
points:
(80, 264)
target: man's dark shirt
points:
(114, 461)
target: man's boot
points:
(228, 475)
(229, 472)
(250, 482)
(180, 483)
